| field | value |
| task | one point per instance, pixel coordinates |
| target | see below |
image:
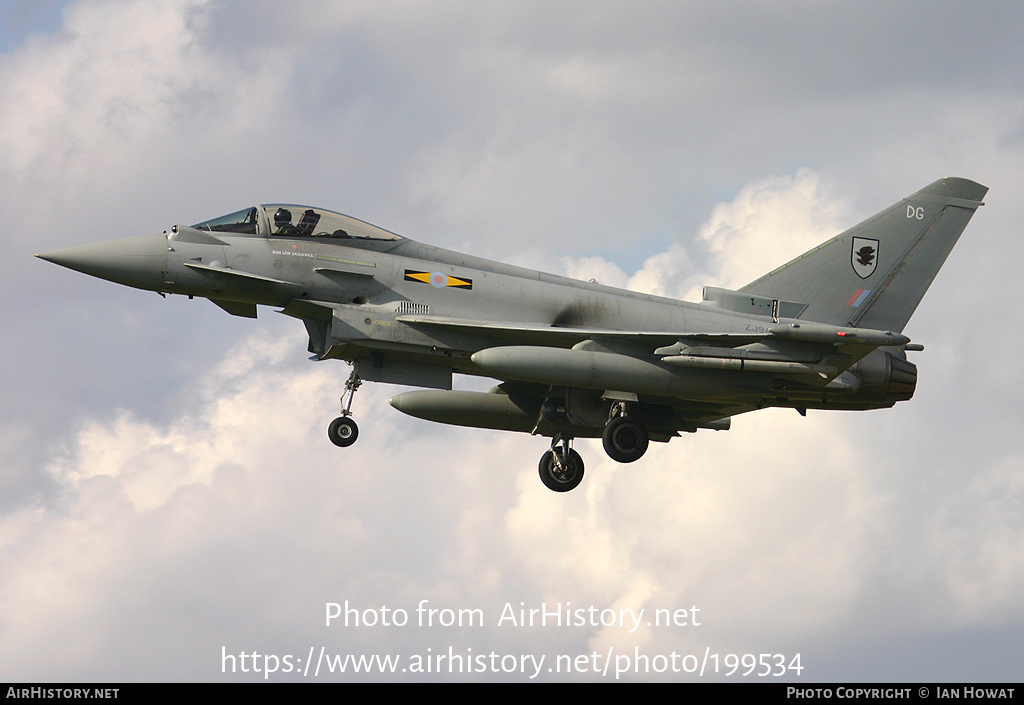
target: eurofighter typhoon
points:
(574, 359)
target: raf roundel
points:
(438, 280)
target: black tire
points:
(568, 478)
(625, 441)
(343, 431)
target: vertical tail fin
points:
(875, 274)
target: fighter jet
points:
(573, 359)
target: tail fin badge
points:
(865, 256)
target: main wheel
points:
(343, 432)
(625, 440)
(561, 479)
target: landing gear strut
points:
(624, 439)
(343, 431)
(561, 468)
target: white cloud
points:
(976, 540)
(768, 223)
(595, 268)
(111, 77)
(224, 518)
(793, 509)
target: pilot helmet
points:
(283, 216)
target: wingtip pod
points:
(957, 187)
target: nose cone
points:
(135, 261)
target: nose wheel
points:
(344, 431)
(561, 468)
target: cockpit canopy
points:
(291, 221)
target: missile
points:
(739, 363)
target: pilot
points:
(283, 222)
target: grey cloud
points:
(168, 486)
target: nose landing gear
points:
(561, 468)
(343, 431)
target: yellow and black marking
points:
(438, 279)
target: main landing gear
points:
(343, 431)
(561, 468)
(624, 439)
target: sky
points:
(169, 502)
